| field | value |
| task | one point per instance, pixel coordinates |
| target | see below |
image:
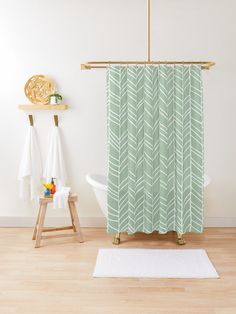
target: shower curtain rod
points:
(206, 65)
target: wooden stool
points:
(39, 229)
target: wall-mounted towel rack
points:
(31, 120)
(39, 107)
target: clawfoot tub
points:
(99, 185)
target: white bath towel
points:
(60, 198)
(30, 171)
(55, 165)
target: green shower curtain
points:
(155, 147)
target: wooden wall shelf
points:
(43, 107)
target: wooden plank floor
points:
(57, 278)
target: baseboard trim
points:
(97, 222)
(220, 222)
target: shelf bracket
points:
(56, 120)
(31, 120)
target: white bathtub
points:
(99, 185)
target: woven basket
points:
(38, 88)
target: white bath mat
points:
(154, 263)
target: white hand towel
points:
(55, 165)
(30, 171)
(60, 198)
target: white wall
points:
(53, 37)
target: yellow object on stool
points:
(39, 228)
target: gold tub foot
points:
(116, 239)
(180, 239)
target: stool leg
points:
(36, 224)
(40, 224)
(76, 221)
(71, 216)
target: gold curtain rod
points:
(206, 65)
(104, 64)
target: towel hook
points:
(56, 120)
(31, 120)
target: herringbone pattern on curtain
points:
(155, 146)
